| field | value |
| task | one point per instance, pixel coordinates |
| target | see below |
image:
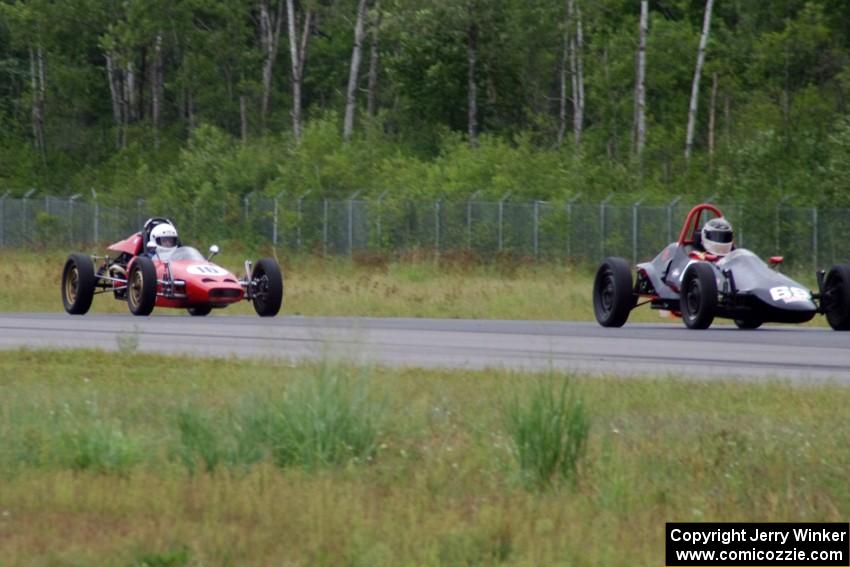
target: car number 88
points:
(789, 294)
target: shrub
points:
(549, 432)
(326, 419)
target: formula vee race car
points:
(182, 279)
(690, 281)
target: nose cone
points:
(217, 290)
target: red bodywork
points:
(195, 282)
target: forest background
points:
(181, 101)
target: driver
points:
(164, 237)
(717, 236)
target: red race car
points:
(152, 269)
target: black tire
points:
(836, 297)
(748, 324)
(141, 287)
(199, 310)
(267, 282)
(698, 297)
(78, 281)
(613, 295)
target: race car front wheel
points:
(698, 298)
(613, 296)
(141, 286)
(836, 297)
(267, 282)
(78, 281)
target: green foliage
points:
(326, 419)
(549, 432)
(781, 67)
(99, 447)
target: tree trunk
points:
(269, 39)
(130, 91)
(692, 109)
(140, 95)
(640, 82)
(354, 72)
(38, 94)
(472, 93)
(156, 88)
(579, 118)
(565, 56)
(374, 60)
(576, 70)
(243, 118)
(298, 53)
(712, 109)
(115, 89)
(190, 109)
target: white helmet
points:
(164, 237)
(717, 236)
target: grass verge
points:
(140, 459)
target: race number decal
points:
(206, 270)
(789, 294)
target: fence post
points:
(325, 228)
(96, 226)
(25, 219)
(298, 228)
(469, 219)
(781, 202)
(71, 200)
(502, 215)
(275, 220)
(437, 206)
(569, 208)
(670, 206)
(815, 237)
(635, 230)
(380, 214)
(536, 234)
(3, 219)
(351, 222)
(139, 204)
(602, 206)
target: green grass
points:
(454, 286)
(142, 459)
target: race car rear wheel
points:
(836, 297)
(199, 310)
(141, 287)
(698, 298)
(267, 282)
(613, 296)
(78, 281)
(748, 323)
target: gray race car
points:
(698, 286)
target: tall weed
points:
(549, 432)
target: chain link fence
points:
(809, 238)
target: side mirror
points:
(775, 260)
(151, 248)
(214, 249)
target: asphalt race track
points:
(799, 354)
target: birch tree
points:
(640, 81)
(38, 95)
(374, 60)
(354, 71)
(156, 88)
(692, 108)
(298, 53)
(472, 91)
(562, 99)
(270, 26)
(576, 69)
